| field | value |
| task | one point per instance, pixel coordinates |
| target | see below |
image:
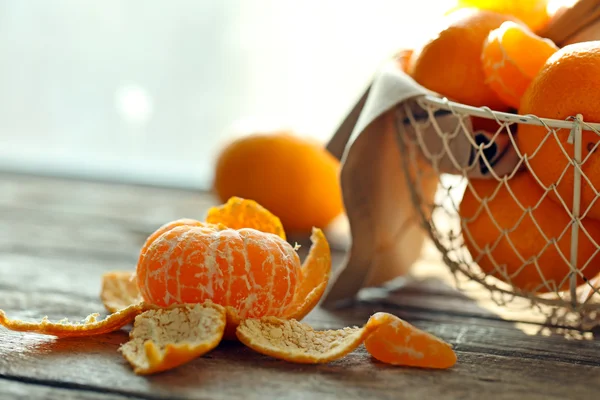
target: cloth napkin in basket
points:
(385, 229)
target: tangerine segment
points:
(512, 56)
(397, 342)
(240, 213)
(163, 339)
(119, 290)
(252, 271)
(297, 342)
(315, 274)
(88, 327)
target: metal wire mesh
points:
(524, 238)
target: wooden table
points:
(58, 236)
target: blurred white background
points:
(146, 90)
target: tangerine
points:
(512, 56)
(253, 272)
(534, 13)
(449, 62)
(294, 178)
(563, 89)
(503, 237)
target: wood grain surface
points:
(58, 236)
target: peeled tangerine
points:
(234, 276)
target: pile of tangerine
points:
(234, 276)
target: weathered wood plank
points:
(469, 334)
(72, 198)
(17, 390)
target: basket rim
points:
(486, 112)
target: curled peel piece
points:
(316, 271)
(240, 213)
(386, 337)
(165, 338)
(397, 342)
(119, 290)
(297, 342)
(88, 327)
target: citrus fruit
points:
(512, 56)
(294, 178)
(562, 89)
(534, 13)
(503, 238)
(252, 271)
(237, 258)
(449, 62)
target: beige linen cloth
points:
(386, 233)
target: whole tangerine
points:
(565, 87)
(503, 237)
(295, 178)
(512, 56)
(534, 13)
(449, 62)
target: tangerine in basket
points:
(565, 86)
(449, 63)
(503, 237)
(512, 56)
(534, 13)
(293, 177)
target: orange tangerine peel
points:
(298, 342)
(240, 213)
(90, 326)
(119, 290)
(315, 274)
(163, 339)
(386, 337)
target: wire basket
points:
(495, 261)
